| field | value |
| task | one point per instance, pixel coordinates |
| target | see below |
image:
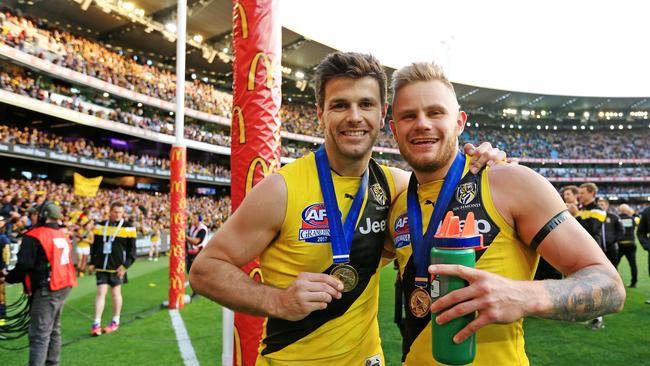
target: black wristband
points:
(550, 226)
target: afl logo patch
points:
(378, 193)
(315, 226)
(401, 235)
(466, 192)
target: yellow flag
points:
(86, 187)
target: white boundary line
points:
(183, 339)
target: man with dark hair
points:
(45, 265)
(520, 216)
(321, 299)
(614, 231)
(570, 196)
(112, 253)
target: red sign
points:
(178, 203)
(255, 131)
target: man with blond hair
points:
(321, 277)
(592, 218)
(520, 216)
(590, 215)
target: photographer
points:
(45, 266)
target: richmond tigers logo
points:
(378, 193)
(466, 192)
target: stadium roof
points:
(556, 47)
(491, 44)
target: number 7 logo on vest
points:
(62, 244)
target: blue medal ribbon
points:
(340, 234)
(420, 244)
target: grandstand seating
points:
(588, 144)
(624, 158)
(140, 207)
(82, 147)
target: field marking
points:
(183, 339)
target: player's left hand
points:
(497, 299)
(483, 155)
(121, 271)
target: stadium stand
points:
(93, 59)
(82, 147)
(615, 157)
(20, 195)
(588, 144)
(98, 60)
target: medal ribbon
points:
(117, 230)
(421, 245)
(340, 234)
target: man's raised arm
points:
(528, 203)
(216, 274)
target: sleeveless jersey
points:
(505, 255)
(155, 236)
(84, 242)
(58, 249)
(346, 332)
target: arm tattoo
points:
(584, 295)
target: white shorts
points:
(83, 250)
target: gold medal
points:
(347, 275)
(419, 302)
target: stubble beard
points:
(448, 148)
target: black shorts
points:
(110, 278)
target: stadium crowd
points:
(590, 172)
(143, 209)
(534, 144)
(106, 108)
(149, 211)
(100, 60)
(94, 59)
(97, 60)
(600, 144)
(613, 190)
(82, 147)
(587, 144)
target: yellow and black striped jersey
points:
(505, 255)
(346, 332)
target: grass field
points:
(146, 336)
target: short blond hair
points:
(590, 187)
(419, 71)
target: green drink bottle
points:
(450, 246)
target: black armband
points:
(550, 226)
